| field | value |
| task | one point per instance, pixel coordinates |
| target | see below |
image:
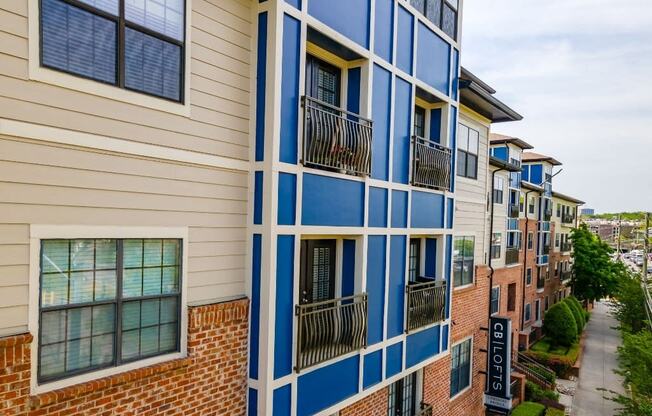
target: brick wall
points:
(210, 381)
(373, 405)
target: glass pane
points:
(149, 340)
(449, 21)
(433, 11)
(170, 280)
(152, 281)
(54, 257)
(168, 336)
(168, 310)
(102, 350)
(105, 285)
(109, 6)
(79, 323)
(105, 254)
(474, 138)
(54, 289)
(130, 344)
(163, 16)
(130, 315)
(77, 41)
(53, 327)
(418, 4)
(132, 281)
(153, 252)
(81, 287)
(149, 311)
(82, 253)
(152, 65)
(132, 253)
(78, 354)
(170, 252)
(472, 166)
(52, 359)
(103, 319)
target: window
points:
(442, 13)
(317, 277)
(467, 152)
(546, 303)
(499, 188)
(140, 48)
(531, 205)
(419, 121)
(528, 277)
(495, 300)
(527, 314)
(463, 261)
(530, 240)
(557, 239)
(106, 302)
(521, 203)
(402, 400)
(323, 81)
(414, 259)
(511, 297)
(558, 210)
(496, 243)
(460, 367)
(537, 310)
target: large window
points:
(467, 152)
(460, 367)
(402, 400)
(106, 302)
(443, 13)
(495, 299)
(463, 261)
(496, 244)
(499, 189)
(138, 45)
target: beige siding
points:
(45, 183)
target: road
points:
(598, 362)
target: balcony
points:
(511, 255)
(513, 211)
(329, 329)
(426, 303)
(426, 410)
(565, 276)
(431, 164)
(541, 282)
(567, 219)
(335, 139)
(565, 246)
(547, 214)
(545, 249)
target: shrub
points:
(542, 345)
(554, 412)
(578, 306)
(534, 393)
(560, 363)
(587, 316)
(577, 315)
(529, 409)
(559, 324)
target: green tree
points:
(629, 307)
(577, 315)
(635, 358)
(595, 274)
(559, 325)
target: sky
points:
(580, 73)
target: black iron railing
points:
(335, 139)
(565, 246)
(330, 328)
(547, 214)
(567, 218)
(426, 410)
(545, 249)
(511, 255)
(534, 372)
(565, 275)
(513, 211)
(431, 164)
(426, 303)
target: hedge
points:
(534, 393)
(577, 315)
(554, 412)
(559, 325)
(529, 409)
(560, 363)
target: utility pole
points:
(618, 244)
(646, 247)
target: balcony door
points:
(403, 397)
(414, 260)
(317, 279)
(323, 81)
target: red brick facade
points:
(211, 380)
(373, 405)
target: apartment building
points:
(565, 219)
(125, 147)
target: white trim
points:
(112, 144)
(113, 92)
(38, 232)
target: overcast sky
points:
(580, 72)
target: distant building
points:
(587, 211)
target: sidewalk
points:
(598, 362)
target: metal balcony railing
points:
(547, 214)
(426, 410)
(431, 164)
(511, 255)
(567, 218)
(565, 246)
(426, 303)
(335, 139)
(545, 249)
(565, 275)
(513, 211)
(330, 328)
(541, 281)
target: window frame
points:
(463, 284)
(453, 396)
(495, 248)
(40, 232)
(527, 312)
(416, 243)
(530, 240)
(495, 289)
(528, 276)
(498, 190)
(464, 154)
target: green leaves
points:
(595, 274)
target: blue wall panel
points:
(372, 372)
(501, 152)
(327, 386)
(399, 209)
(421, 345)
(402, 115)
(348, 268)
(256, 256)
(444, 338)
(261, 82)
(394, 357)
(536, 174)
(282, 401)
(383, 41)
(376, 249)
(252, 402)
(431, 257)
(381, 101)
(290, 90)
(435, 125)
(377, 207)
(451, 213)
(348, 17)
(258, 197)
(405, 40)
(284, 306)
(427, 210)
(433, 59)
(287, 198)
(396, 286)
(332, 201)
(525, 173)
(455, 79)
(353, 91)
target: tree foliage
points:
(629, 305)
(595, 274)
(559, 325)
(577, 315)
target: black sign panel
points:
(498, 396)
